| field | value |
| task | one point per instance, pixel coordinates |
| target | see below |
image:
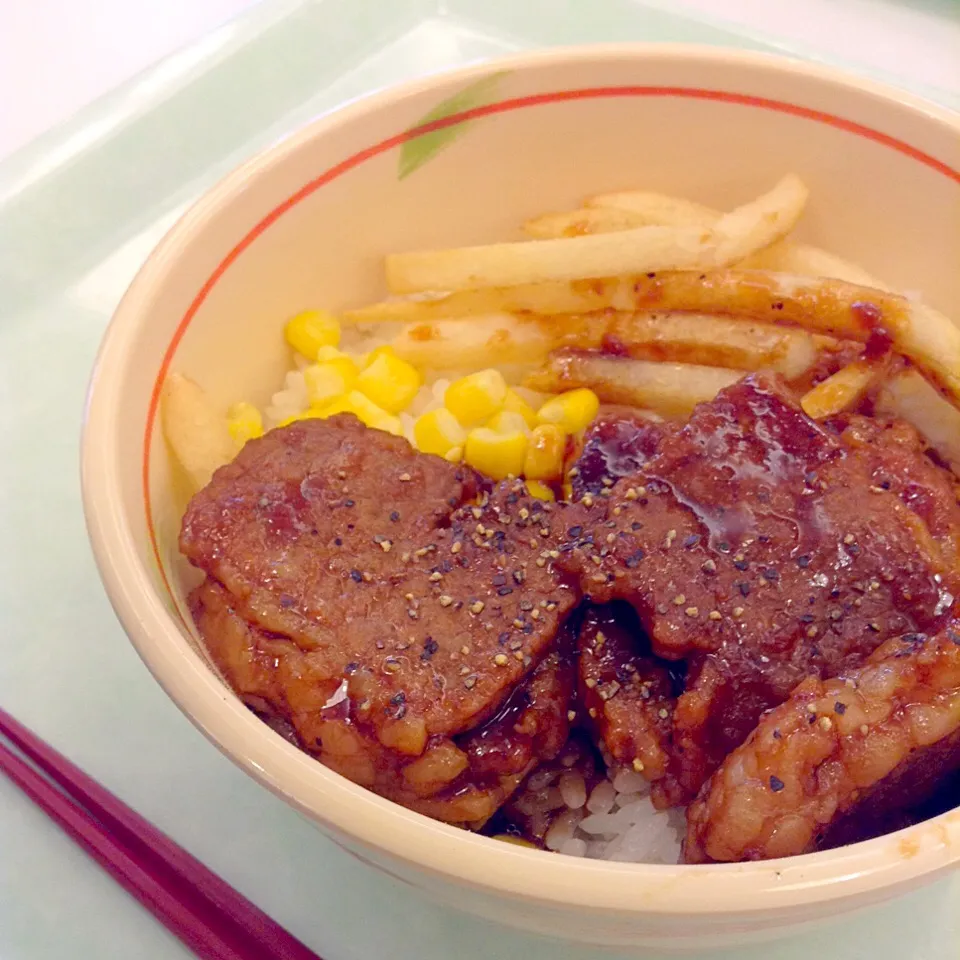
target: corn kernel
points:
(572, 411)
(343, 362)
(389, 382)
(539, 490)
(364, 409)
(244, 422)
(544, 459)
(307, 332)
(498, 455)
(311, 413)
(474, 399)
(326, 381)
(516, 404)
(438, 431)
(455, 455)
(507, 421)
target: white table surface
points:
(55, 57)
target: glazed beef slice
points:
(762, 547)
(407, 602)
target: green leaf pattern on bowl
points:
(418, 150)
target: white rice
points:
(614, 819)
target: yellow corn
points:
(498, 455)
(307, 332)
(474, 399)
(540, 490)
(455, 455)
(365, 410)
(438, 431)
(389, 381)
(544, 459)
(244, 422)
(572, 411)
(506, 421)
(311, 413)
(343, 362)
(516, 404)
(328, 380)
(516, 841)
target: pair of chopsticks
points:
(206, 913)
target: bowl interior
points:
(308, 224)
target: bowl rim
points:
(349, 811)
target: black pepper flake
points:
(803, 562)
(741, 564)
(853, 549)
(634, 559)
(528, 628)
(338, 542)
(356, 576)
(504, 637)
(840, 707)
(398, 703)
(770, 574)
(777, 735)
(692, 540)
(286, 601)
(723, 546)
(395, 515)
(504, 591)
(349, 503)
(744, 588)
(776, 784)
(499, 580)
(953, 637)
(763, 538)
(574, 532)
(636, 525)
(885, 484)
(806, 618)
(430, 647)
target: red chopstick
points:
(196, 905)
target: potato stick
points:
(736, 235)
(840, 391)
(195, 430)
(910, 397)
(578, 223)
(550, 298)
(713, 341)
(670, 389)
(492, 340)
(657, 208)
(617, 211)
(807, 261)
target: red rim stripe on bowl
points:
(503, 106)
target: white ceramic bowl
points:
(307, 223)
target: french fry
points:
(713, 341)
(657, 208)
(736, 235)
(910, 397)
(804, 260)
(546, 299)
(670, 389)
(840, 391)
(195, 429)
(492, 340)
(500, 339)
(578, 223)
